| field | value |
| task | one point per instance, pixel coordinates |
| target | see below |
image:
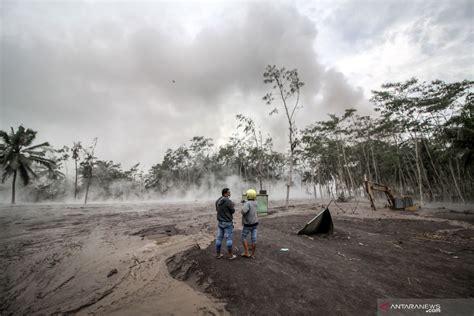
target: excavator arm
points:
(372, 186)
(394, 202)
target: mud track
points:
(112, 259)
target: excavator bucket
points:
(320, 224)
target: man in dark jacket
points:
(225, 226)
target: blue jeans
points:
(224, 230)
(253, 233)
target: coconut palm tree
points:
(17, 155)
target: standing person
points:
(225, 226)
(249, 224)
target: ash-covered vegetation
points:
(421, 143)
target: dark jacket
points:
(225, 209)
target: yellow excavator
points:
(394, 202)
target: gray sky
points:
(84, 69)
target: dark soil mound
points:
(343, 273)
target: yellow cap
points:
(251, 194)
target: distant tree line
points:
(421, 144)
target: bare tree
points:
(249, 129)
(285, 87)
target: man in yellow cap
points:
(249, 223)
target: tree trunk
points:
(259, 162)
(455, 181)
(418, 170)
(245, 173)
(319, 182)
(400, 171)
(75, 182)
(13, 187)
(440, 180)
(314, 184)
(290, 173)
(374, 164)
(430, 189)
(188, 178)
(88, 185)
(290, 180)
(469, 185)
(240, 176)
(410, 172)
(340, 171)
(367, 162)
(351, 191)
(462, 183)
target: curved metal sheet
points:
(320, 224)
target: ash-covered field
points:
(158, 258)
(99, 258)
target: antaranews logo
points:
(428, 308)
(385, 307)
(423, 307)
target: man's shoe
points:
(220, 256)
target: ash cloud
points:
(150, 76)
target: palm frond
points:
(41, 159)
(3, 152)
(6, 173)
(4, 136)
(35, 153)
(16, 136)
(24, 175)
(45, 144)
(28, 168)
(48, 163)
(59, 174)
(6, 156)
(27, 138)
